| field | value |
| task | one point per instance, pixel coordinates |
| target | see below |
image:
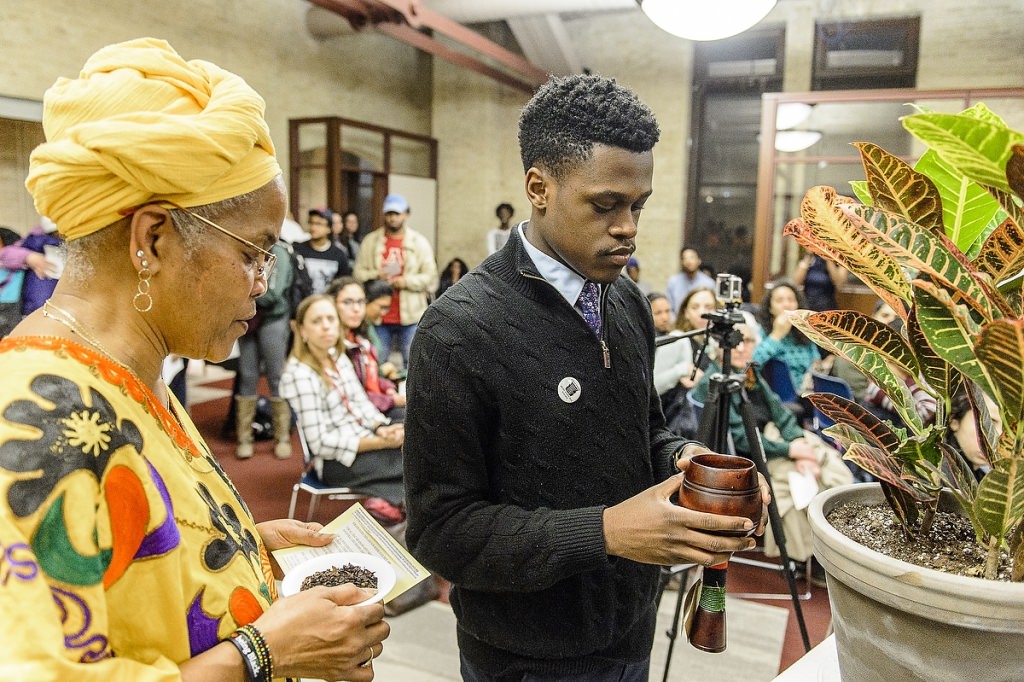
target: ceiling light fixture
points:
(795, 140)
(791, 114)
(702, 20)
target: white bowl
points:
(386, 577)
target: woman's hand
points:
(781, 326)
(281, 533)
(317, 634)
(393, 435)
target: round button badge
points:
(569, 390)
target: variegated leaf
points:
(1000, 350)
(989, 426)
(977, 147)
(897, 187)
(823, 224)
(1010, 206)
(904, 507)
(1015, 171)
(852, 327)
(930, 254)
(845, 435)
(869, 360)
(1000, 500)
(880, 465)
(849, 413)
(861, 191)
(941, 377)
(1002, 255)
(958, 475)
(1006, 446)
(967, 208)
(950, 331)
(924, 448)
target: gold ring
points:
(369, 661)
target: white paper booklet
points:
(356, 531)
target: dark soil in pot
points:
(949, 547)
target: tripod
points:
(713, 431)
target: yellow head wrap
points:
(141, 124)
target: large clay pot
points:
(895, 621)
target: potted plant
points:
(943, 243)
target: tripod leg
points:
(761, 462)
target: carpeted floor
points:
(265, 483)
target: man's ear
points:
(539, 184)
(150, 230)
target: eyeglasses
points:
(353, 302)
(265, 260)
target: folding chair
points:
(776, 374)
(309, 482)
(824, 383)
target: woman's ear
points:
(149, 231)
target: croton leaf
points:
(827, 230)
(1000, 501)
(845, 435)
(904, 506)
(897, 187)
(879, 464)
(861, 191)
(941, 377)
(930, 254)
(1000, 349)
(871, 359)
(967, 208)
(977, 146)
(950, 330)
(1015, 170)
(1006, 446)
(844, 411)
(958, 475)
(1002, 254)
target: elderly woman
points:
(128, 554)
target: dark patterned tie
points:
(589, 303)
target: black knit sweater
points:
(507, 482)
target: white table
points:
(820, 664)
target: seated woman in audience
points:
(350, 298)
(787, 447)
(351, 442)
(378, 302)
(783, 341)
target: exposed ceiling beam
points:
(403, 19)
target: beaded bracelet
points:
(255, 653)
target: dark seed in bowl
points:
(349, 573)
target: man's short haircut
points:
(324, 213)
(507, 207)
(568, 115)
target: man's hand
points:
(651, 529)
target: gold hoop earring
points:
(142, 293)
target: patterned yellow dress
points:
(124, 548)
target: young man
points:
(689, 277)
(403, 258)
(324, 260)
(536, 456)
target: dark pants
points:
(377, 472)
(619, 672)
